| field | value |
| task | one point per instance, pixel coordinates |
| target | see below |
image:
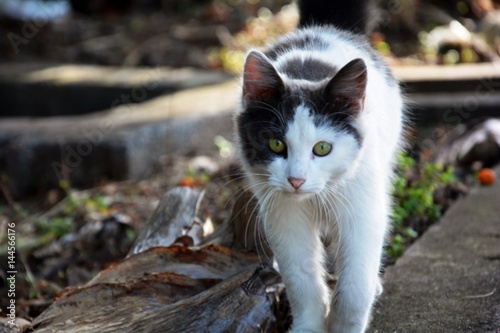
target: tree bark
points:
(162, 287)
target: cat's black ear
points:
(261, 82)
(348, 87)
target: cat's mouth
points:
(298, 194)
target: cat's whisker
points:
(318, 211)
(250, 217)
(324, 216)
(331, 202)
(242, 190)
(340, 198)
(273, 110)
(272, 199)
(331, 205)
(266, 203)
(241, 178)
(338, 219)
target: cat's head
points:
(298, 136)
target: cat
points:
(318, 131)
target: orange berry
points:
(187, 181)
(486, 176)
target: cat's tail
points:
(357, 16)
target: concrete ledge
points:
(449, 280)
(41, 90)
(128, 141)
(451, 94)
(452, 108)
(464, 73)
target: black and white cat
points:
(320, 123)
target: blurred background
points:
(209, 33)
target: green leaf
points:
(414, 188)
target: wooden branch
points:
(175, 213)
(211, 262)
(157, 304)
(171, 289)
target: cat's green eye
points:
(322, 148)
(277, 145)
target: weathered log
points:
(175, 213)
(172, 289)
(237, 304)
(211, 262)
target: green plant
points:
(224, 146)
(20, 211)
(78, 202)
(55, 227)
(414, 191)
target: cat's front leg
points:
(300, 257)
(359, 281)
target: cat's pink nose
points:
(296, 182)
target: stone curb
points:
(448, 281)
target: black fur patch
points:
(263, 121)
(331, 114)
(309, 42)
(310, 69)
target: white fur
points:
(345, 198)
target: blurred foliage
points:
(82, 204)
(55, 227)
(415, 188)
(258, 32)
(76, 206)
(419, 32)
(217, 33)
